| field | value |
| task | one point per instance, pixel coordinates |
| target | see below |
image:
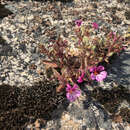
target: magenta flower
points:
(95, 25)
(72, 92)
(78, 22)
(113, 36)
(98, 73)
(80, 79)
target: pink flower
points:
(72, 92)
(124, 48)
(78, 22)
(95, 25)
(98, 73)
(115, 38)
(113, 35)
(80, 79)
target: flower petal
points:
(95, 25)
(80, 79)
(92, 69)
(83, 73)
(71, 97)
(100, 77)
(75, 87)
(78, 22)
(100, 68)
(93, 77)
(68, 87)
(77, 93)
(104, 74)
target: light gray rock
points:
(120, 69)
(83, 114)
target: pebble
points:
(21, 19)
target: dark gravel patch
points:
(4, 12)
(111, 99)
(119, 70)
(20, 107)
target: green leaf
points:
(100, 58)
(73, 39)
(127, 35)
(85, 40)
(82, 30)
(93, 47)
(107, 60)
(110, 54)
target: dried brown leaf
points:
(59, 88)
(49, 64)
(117, 119)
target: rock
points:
(5, 49)
(127, 14)
(4, 12)
(120, 70)
(22, 47)
(21, 19)
(37, 124)
(83, 114)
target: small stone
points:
(10, 36)
(4, 12)
(27, 59)
(94, 5)
(120, 1)
(12, 27)
(37, 124)
(21, 19)
(22, 47)
(23, 26)
(2, 78)
(11, 74)
(23, 73)
(30, 17)
(66, 117)
(127, 14)
(117, 119)
(32, 66)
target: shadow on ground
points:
(4, 12)
(109, 101)
(119, 69)
(6, 49)
(20, 107)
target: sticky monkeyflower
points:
(78, 22)
(95, 25)
(72, 92)
(80, 79)
(98, 73)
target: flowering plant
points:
(78, 62)
(98, 73)
(72, 92)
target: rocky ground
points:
(28, 100)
